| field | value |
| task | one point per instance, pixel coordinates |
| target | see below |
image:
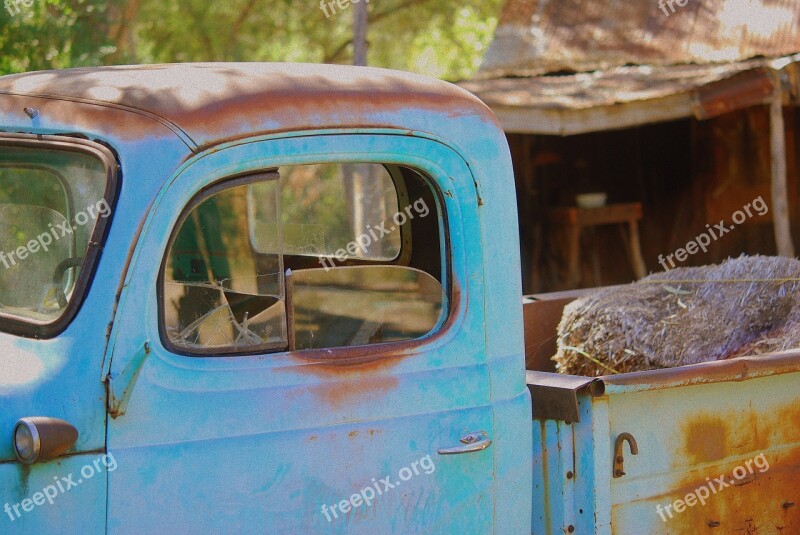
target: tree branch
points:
(392, 10)
(237, 25)
(330, 58)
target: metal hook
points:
(619, 460)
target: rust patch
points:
(518, 12)
(226, 121)
(788, 424)
(24, 478)
(370, 432)
(761, 502)
(208, 104)
(95, 118)
(758, 454)
(706, 439)
(737, 369)
(340, 394)
(361, 374)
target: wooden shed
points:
(682, 115)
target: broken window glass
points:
(249, 267)
(220, 294)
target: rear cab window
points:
(305, 257)
(55, 199)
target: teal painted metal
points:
(692, 426)
(262, 442)
(327, 432)
(120, 385)
(63, 377)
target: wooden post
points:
(780, 195)
(637, 261)
(360, 33)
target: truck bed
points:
(737, 419)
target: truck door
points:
(296, 349)
(55, 201)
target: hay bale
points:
(744, 306)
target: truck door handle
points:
(476, 441)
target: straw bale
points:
(744, 306)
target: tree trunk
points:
(360, 33)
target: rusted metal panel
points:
(114, 124)
(617, 85)
(541, 319)
(331, 419)
(205, 104)
(541, 36)
(555, 396)
(733, 370)
(621, 97)
(541, 315)
(745, 432)
(736, 445)
(569, 67)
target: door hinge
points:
(120, 385)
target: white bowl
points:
(591, 200)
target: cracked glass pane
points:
(218, 292)
(248, 268)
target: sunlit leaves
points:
(444, 38)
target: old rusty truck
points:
(274, 298)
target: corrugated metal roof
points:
(618, 85)
(621, 97)
(536, 37)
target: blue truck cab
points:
(249, 298)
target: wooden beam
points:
(780, 194)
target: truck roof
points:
(207, 103)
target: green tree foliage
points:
(54, 34)
(444, 38)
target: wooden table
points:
(576, 219)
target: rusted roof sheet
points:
(544, 36)
(623, 97)
(618, 85)
(208, 103)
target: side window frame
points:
(240, 179)
(30, 329)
